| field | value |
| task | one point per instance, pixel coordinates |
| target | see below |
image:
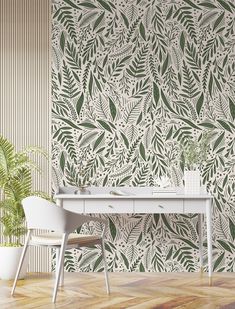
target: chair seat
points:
(55, 239)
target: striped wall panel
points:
(25, 87)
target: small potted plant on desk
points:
(194, 153)
(15, 185)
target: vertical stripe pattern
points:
(25, 88)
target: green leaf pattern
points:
(131, 80)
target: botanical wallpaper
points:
(131, 81)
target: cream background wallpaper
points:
(131, 80)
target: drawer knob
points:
(160, 206)
(110, 206)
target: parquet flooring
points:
(128, 290)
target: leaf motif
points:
(232, 108)
(218, 261)
(148, 17)
(102, 108)
(132, 231)
(208, 125)
(80, 104)
(208, 18)
(90, 85)
(88, 258)
(218, 21)
(185, 17)
(97, 262)
(218, 141)
(98, 141)
(137, 67)
(112, 108)
(164, 99)
(210, 85)
(132, 111)
(225, 125)
(126, 142)
(199, 103)
(125, 260)
(62, 41)
(98, 21)
(188, 242)
(105, 5)
(225, 245)
(190, 87)
(192, 4)
(126, 22)
(131, 133)
(112, 229)
(65, 136)
(208, 4)
(87, 139)
(142, 151)
(156, 93)
(182, 41)
(72, 4)
(88, 125)
(70, 123)
(190, 123)
(165, 64)
(142, 31)
(88, 5)
(65, 17)
(132, 253)
(141, 269)
(105, 125)
(62, 161)
(225, 5)
(232, 229)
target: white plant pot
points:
(9, 261)
(192, 182)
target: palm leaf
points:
(6, 154)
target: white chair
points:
(42, 214)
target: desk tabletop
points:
(121, 193)
(132, 196)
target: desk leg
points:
(209, 238)
(59, 202)
(200, 236)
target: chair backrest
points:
(42, 214)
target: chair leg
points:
(105, 268)
(21, 261)
(61, 259)
(61, 282)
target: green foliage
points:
(15, 184)
(195, 152)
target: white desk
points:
(140, 200)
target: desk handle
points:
(110, 206)
(160, 206)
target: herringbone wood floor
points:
(128, 290)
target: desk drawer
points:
(109, 206)
(194, 206)
(159, 206)
(74, 205)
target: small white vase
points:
(192, 182)
(9, 261)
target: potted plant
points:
(15, 185)
(194, 153)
